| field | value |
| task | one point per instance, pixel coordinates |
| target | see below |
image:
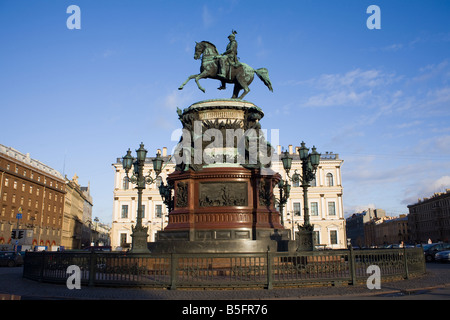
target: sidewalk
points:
(12, 283)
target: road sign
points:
(19, 216)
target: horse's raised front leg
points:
(184, 83)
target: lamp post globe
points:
(157, 163)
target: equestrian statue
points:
(226, 67)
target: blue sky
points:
(78, 99)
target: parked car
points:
(443, 256)
(98, 248)
(430, 250)
(10, 258)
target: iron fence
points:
(214, 270)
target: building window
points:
(314, 209)
(124, 211)
(333, 237)
(297, 209)
(316, 237)
(313, 182)
(329, 180)
(126, 183)
(123, 239)
(15, 185)
(6, 182)
(158, 210)
(331, 209)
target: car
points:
(98, 248)
(10, 259)
(443, 256)
(430, 250)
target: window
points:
(329, 180)
(124, 211)
(316, 237)
(126, 183)
(313, 182)
(314, 209)
(15, 185)
(6, 182)
(331, 209)
(123, 239)
(333, 237)
(297, 209)
(158, 211)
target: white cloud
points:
(353, 88)
(426, 189)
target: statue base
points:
(305, 239)
(139, 240)
(221, 241)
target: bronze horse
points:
(241, 76)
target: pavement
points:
(433, 285)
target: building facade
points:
(326, 208)
(429, 218)
(155, 214)
(36, 191)
(324, 197)
(77, 222)
(357, 229)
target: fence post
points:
(405, 259)
(269, 270)
(92, 265)
(173, 271)
(351, 260)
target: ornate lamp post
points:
(310, 162)
(285, 188)
(139, 232)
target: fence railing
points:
(264, 270)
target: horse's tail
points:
(263, 74)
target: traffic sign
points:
(19, 216)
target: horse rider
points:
(228, 59)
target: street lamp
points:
(139, 232)
(285, 189)
(310, 162)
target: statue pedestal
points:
(224, 206)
